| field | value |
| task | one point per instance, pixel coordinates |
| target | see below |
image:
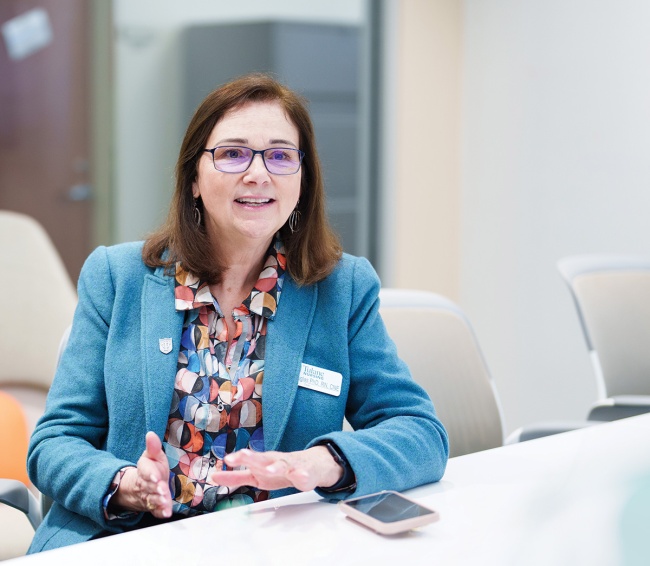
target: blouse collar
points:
(191, 293)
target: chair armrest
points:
(15, 494)
(620, 407)
(530, 432)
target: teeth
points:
(253, 200)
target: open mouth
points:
(254, 201)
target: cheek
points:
(295, 191)
(204, 179)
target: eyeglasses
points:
(238, 158)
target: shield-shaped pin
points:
(165, 345)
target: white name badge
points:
(320, 379)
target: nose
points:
(257, 168)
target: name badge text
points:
(320, 379)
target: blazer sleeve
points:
(66, 459)
(398, 442)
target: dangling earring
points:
(294, 219)
(197, 213)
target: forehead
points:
(255, 122)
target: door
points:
(45, 127)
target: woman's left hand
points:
(304, 470)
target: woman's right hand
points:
(146, 487)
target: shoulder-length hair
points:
(312, 251)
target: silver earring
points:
(197, 214)
(294, 221)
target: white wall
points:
(148, 123)
(556, 131)
(423, 133)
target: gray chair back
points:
(612, 297)
(436, 340)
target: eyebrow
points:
(244, 141)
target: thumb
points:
(153, 446)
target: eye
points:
(232, 153)
(229, 153)
(279, 155)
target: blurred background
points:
(467, 144)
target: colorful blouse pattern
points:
(217, 402)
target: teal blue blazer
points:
(113, 384)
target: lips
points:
(253, 201)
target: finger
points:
(252, 459)
(249, 458)
(162, 488)
(261, 466)
(159, 487)
(153, 465)
(234, 479)
(148, 476)
(153, 445)
(163, 513)
(158, 506)
(149, 503)
(155, 487)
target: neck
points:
(243, 266)
(240, 277)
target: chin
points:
(259, 235)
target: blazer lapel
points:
(161, 323)
(286, 340)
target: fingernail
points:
(167, 512)
(153, 479)
(161, 490)
(273, 468)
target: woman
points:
(214, 365)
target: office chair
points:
(15, 532)
(436, 340)
(611, 294)
(15, 492)
(37, 301)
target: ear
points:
(196, 193)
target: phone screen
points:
(389, 507)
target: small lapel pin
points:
(165, 345)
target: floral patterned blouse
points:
(217, 402)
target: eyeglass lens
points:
(236, 159)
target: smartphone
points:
(388, 512)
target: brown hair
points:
(311, 252)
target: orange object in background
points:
(13, 440)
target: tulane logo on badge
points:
(165, 345)
(320, 379)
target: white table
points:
(581, 497)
